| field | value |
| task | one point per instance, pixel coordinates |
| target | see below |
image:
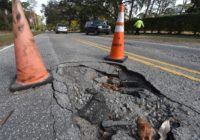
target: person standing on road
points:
(138, 25)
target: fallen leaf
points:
(145, 130)
(164, 130)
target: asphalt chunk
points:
(108, 97)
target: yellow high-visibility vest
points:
(139, 24)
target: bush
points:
(3, 25)
(177, 24)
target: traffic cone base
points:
(15, 86)
(116, 60)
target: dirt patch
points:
(7, 38)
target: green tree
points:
(182, 8)
(163, 6)
(148, 3)
(65, 10)
(5, 10)
(154, 8)
(195, 7)
(26, 5)
(135, 6)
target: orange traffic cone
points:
(117, 51)
(31, 70)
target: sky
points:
(40, 2)
(38, 7)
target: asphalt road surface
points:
(173, 69)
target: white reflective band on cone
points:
(119, 28)
(120, 17)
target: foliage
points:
(68, 10)
(57, 11)
(5, 4)
(177, 24)
(25, 5)
(5, 14)
(195, 7)
(32, 4)
(74, 25)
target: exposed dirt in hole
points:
(106, 99)
(110, 86)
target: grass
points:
(166, 38)
(6, 38)
(172, 39)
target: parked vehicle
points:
(97, 27)
(61, 28)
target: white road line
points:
(5, 48)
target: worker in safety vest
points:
(138, 25)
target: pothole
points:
(106, 100)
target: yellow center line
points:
(165, 63)
(154, 60)
(140, 61)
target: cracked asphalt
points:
(47, 112)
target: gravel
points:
(105, 99)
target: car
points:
(97, 27)
(61, 28)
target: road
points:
(174, 70)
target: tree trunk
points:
(148, 5)
(116, 10)
(159, 3)
(161, 8)
(184, 3)
(131, 10)
(151, 6)
(5, 19)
